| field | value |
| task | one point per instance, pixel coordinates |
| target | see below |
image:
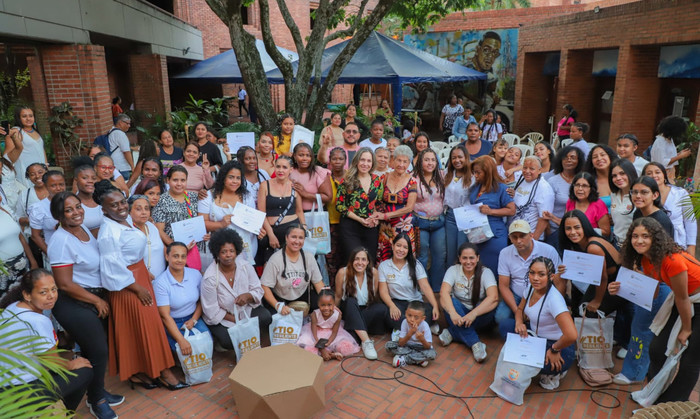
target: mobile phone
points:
(321, 343)
(5, 125)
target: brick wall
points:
(77, 74)
(637, 28)
(149, 80)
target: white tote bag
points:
(286, 329)
(647, 396)
(319, 228)
(245, 334)
(595, 340)
(511, 380)
(198, 365)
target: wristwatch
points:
(554, 351)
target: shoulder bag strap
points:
(286, 210)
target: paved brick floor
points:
(454, 370)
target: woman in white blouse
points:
(230, 287)
(138, 347)
(41, 221)
(85, 179)
(677, 204)
(458, 178)
(14, 251)
(82, 307)
(469, 296)
(23, 144)
(549, 318)
(230, 189)
(622, 176)
(401, 280)
(533, 196)
(140, 213)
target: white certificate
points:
(247, 218)
(527, 351)
(470, 216)
(237, 140)
(190, 229)
(301, 135)
(582, 267)
(636, 287)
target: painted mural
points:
(492, 52)
(680, 61)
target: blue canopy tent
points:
(384, 60)
(223, 68)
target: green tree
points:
(500, 4)
(333, 19)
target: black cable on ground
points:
(401, 373)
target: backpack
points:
(103, 141)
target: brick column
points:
(42, 110)
(636, 93)
(149, 78)
(576, 83)
(77, 74)
(531, 114)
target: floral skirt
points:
(16, 267)
(390, 229)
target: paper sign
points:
(470, 216)
(247, 218)
(187, 230)
(301, 135)
(636, 287)
(527, 351)
(237, 140)
(583, 267)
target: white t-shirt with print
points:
(399, 281)
(290, 284)
(462, 286)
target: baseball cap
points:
(519, 226)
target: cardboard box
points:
(282, 381)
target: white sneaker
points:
(479, 351)
(368, 350)
(424, 363)
(435, 328)
(621, 354)
(445, 337)
(621, 380)
(395, 335)
(551, 382)
(545, 381)
(398, 361)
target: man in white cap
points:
(513, 264)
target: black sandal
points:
(137, 380)
(172, 387)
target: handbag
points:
(511, 379)
(319, 228)
(480, 234)
(596, 377)
(648, 395)
(198, 365)
(245, 334)
(286, 329)
(595, 340)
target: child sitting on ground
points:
(415, 345)
(324, 335)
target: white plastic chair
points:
(452, 139)
(438, 146)
(511, 139)
(444, 156)
(535, 137)
(526, 150)
(566, 142)
(591, 145)
(526, 141)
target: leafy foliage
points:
(692, 141)
(22, 401)
(63, 124)
(10, 86)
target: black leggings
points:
(402, 305)
(81, 322)
(689, 366)
(70, 389)
(220, 332)
(353, 235)
(369, 318)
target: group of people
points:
(97, 260)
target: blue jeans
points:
(432, 242)
(454, 237)
(568, 354)
(200, 325)
(637, 360)
(467, 335)
(504, 313)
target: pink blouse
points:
(429, 204)
(595, 211)
(311, 184)
(198, 178)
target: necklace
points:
(77, 236)
(28, 131)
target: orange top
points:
(672, 265)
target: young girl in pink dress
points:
(326, 324)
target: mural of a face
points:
(487, 53)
